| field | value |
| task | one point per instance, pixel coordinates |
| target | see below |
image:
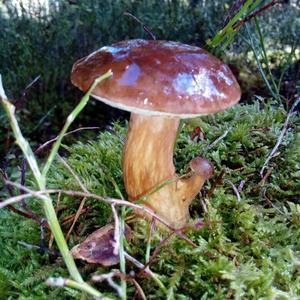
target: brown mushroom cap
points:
(158, 78)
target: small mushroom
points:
(159, 82)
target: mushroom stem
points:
(148, 163)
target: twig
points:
(43, 249)
(165, 240)
(82, 286)
(216, 183)
(263, 193)
(71, 217)
(109, 278)
(254, 14)
(28, 213)
(139, 290)
(31, 84)
(221, 137)
(135, 261)
(11, 193)
(280, 138)
(39, 194)
(265, 177)
(68, 167)
(77, 215)
(15, 199)
(17, 211)
(156, 250)
(41, 147)
(78, 212)
(234, 189)
(142, 24)
(241, 185)
(146, 269)
(19, 102)
(197, 225)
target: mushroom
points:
(159, 82)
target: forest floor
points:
(248, 246)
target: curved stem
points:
(148, 163)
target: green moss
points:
(98, 165)
(249, 249)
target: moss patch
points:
(250, 248)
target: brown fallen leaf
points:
(98, 248)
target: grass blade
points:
(70, 119)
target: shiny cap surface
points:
(158, 78)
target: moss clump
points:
(249, 249)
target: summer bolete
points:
(159, 82)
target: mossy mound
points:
(249, 247)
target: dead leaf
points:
(98, 248)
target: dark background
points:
(44, 42)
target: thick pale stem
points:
(148, 163)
